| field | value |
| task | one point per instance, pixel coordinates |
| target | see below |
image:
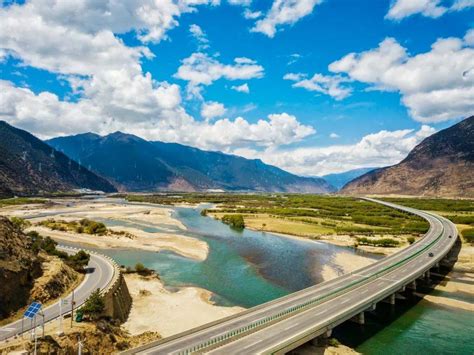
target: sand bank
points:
(143, 216)
(171, 312)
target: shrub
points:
(142, 270)
(20, 222)
(468, 235)
(383, 242)
(334, 342)
(411, 240)
(79, 260)
(94, 305)
(234, 220)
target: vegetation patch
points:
(383, 242)
(236, 221)
(468, 235)
(20, 201)
(77, 261)
(84, 225)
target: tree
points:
(94, 305)
(79, 260)
(234, 220)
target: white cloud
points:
(252, 15)
(150, 19)
(76, 41)
(334, 135)
(241, 88)
(331, 85)
(197, 32)
(400, 9)
(284, 12)
(378, 149)
(200, 69)
(435, 86)
(240, 2)
(47, 116)
(212, 109)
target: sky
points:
(311, 86)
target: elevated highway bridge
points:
(283, 324)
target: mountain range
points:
(441, 165)
(28, 166)
(338, 180)
(134, 164)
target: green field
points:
(303, 215)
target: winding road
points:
(100, 274)
(281, 325)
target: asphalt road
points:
(100, 273)
(330, 303)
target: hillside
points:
(338, 180)
(29, 166)
(19, 266)
(134, 164)
(441, 165)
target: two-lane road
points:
(100, 275)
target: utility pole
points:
(72, 307)
(79, 346)
(60, 316)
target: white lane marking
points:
(248, 346)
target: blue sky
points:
(388, 74)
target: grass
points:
(20, 201)
(303, 215)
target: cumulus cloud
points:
(212, 109)
(401, 9)
(334, 135)
(197, 32)
(252, 15)
(284, 12)
(200, 69)
(241, 88)
(378, 149)
(332, 85)
(435, 86)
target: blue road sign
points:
(32, 310)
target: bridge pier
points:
(412, 285)
(372, 308)
(359, 319)
(390, 299)
(322, 339)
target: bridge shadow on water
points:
(353, 335)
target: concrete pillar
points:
(412, 285)
(360, 318)
(372, 307)
(427, 274)
(390, 299)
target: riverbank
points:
(172, 312)
(145, 217)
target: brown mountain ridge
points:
(441, 165)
